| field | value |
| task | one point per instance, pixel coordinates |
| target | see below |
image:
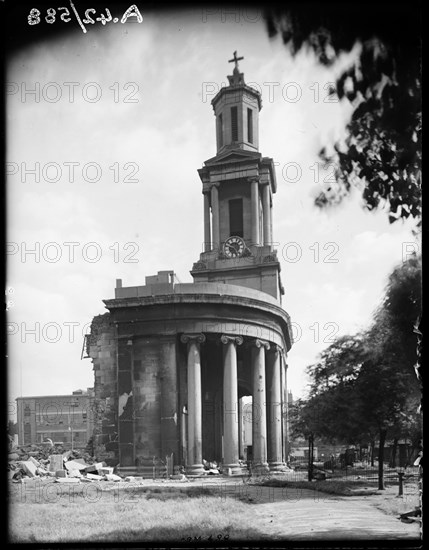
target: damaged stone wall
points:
(148, 420)
(101, 348)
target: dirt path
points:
(340, 518)
(302, 514)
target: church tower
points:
(238, 185)
(176, 363)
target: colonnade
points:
(258, 192)
(266, 404)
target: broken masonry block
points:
(74, 465)
(112, 477)
(105, 471)
(55, 463)
(28, 467)
(94, 477)
(34, 461)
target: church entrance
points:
(213, 403)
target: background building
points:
(65, 419)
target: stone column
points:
(215, 216)
(240, 428)
(275, 454)
(254, 199)
(207, 228)
(230, 404)
(266, 213)
(259, 414)
(195, 459)
(285, 408)
(169, 398)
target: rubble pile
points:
(41, 461)
(52, 461)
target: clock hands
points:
(233, 246)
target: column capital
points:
(284, 355)
(257, 342)
(252, 179)
(188, 338)
(276, 349)
(226, 339)
(214, 184)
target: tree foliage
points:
(382, 151)
(365, 386)
(387, 384)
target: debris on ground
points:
(211, 468)
(411, 516)
(47, 460)
(75, 465)
(112, 477)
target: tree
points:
(387, 387)
(382, 151)
(364, 386)
(332, 390)
(338, 363)
(327, 413)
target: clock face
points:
(233, 247)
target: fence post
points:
(401, 483)
(310, 457)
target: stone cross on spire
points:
(235, 60)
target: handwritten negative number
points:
(64, 16)
(33, 17)
(88, 19)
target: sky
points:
(102, 183)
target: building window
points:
(250, 125)
(220, 130)
(236, 217)
(234, 124)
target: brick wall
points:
(101, 347)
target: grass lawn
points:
(342, 488)
(127, 516)
(48, 512)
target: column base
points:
(195, 470)
(278, 467)
(232, 470)
(260, 469)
